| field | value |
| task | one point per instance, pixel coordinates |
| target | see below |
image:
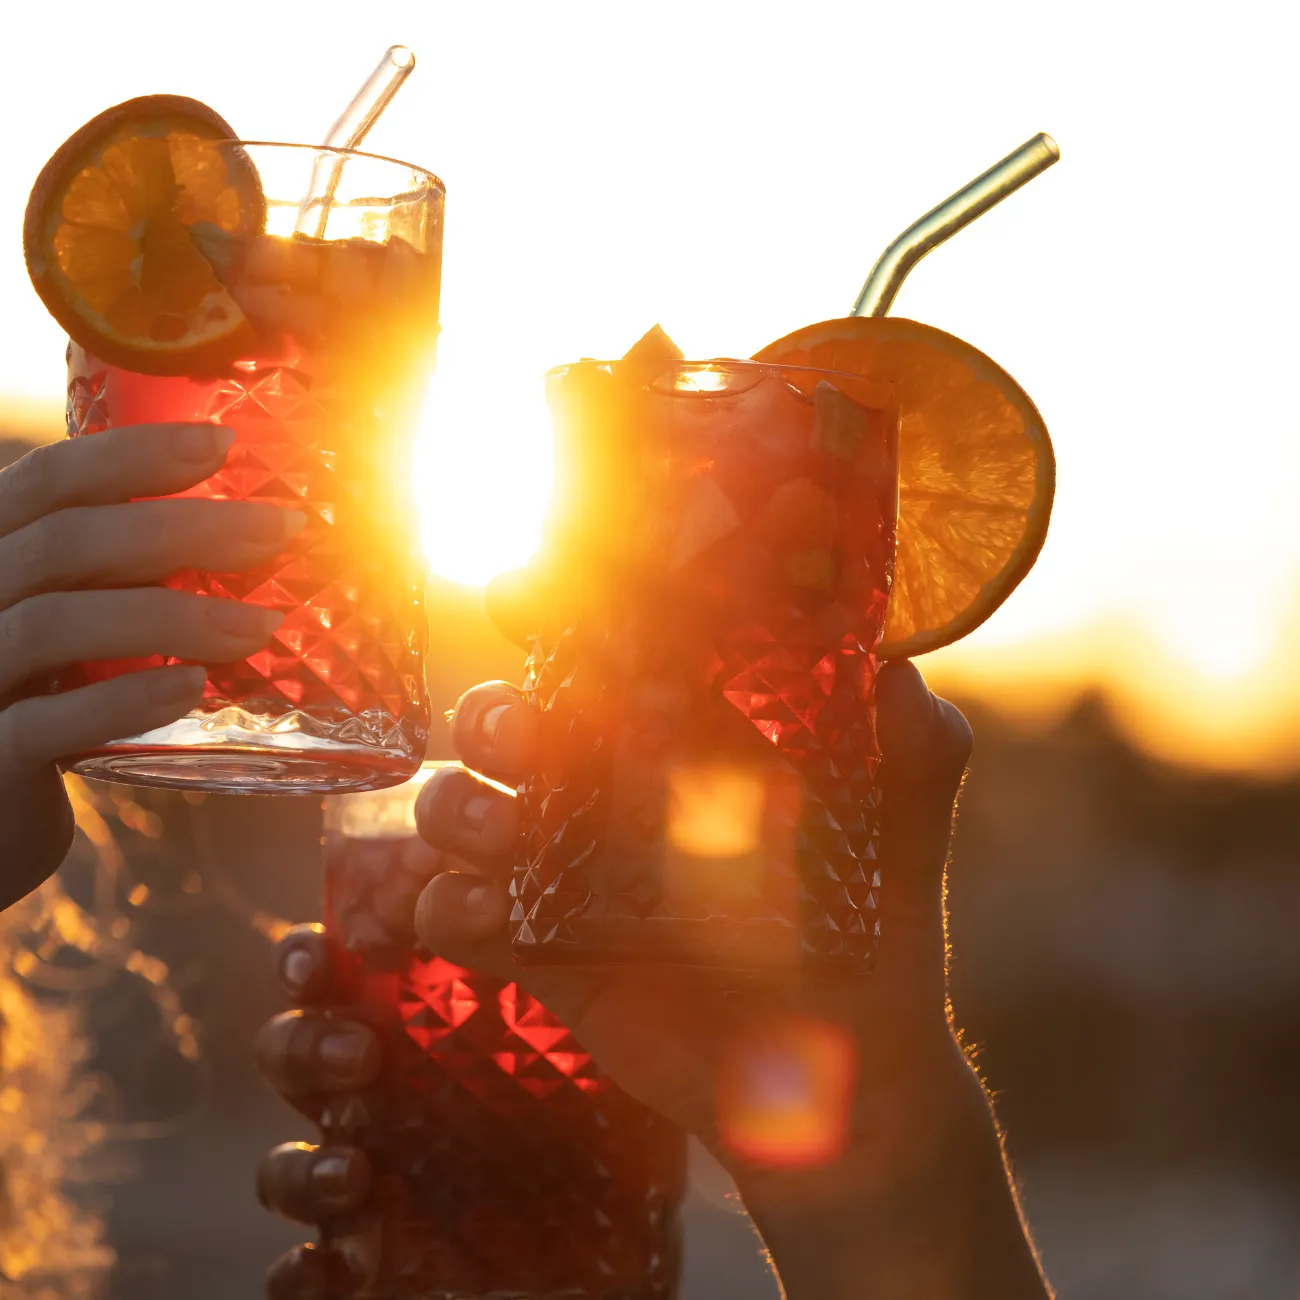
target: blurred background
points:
(1126, 885)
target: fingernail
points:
(177, 684)
(477, 896)
(474, 812)
(237, 619)
(197, 443)
(342, 1054)
(273, 525)
(489, 722)
(336, 1178)
(297, 970)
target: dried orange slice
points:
(976, 471)
(116, 228)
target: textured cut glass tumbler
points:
(719, 557)
(324, 408)
(507, 1167)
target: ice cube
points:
(813, 570)
(348, 274)
(401, 269)
(839, 424)
(654, 348)
(707, 518)
(263, 260)
(799, 516)
(303, 261)
(743, 404)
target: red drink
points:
(723, 543)
(324, 410)
(506, 1164)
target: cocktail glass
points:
(720, 556)
(324, 408)
(515, 1167)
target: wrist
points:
(919, 1206)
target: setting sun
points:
(482, 470)
(1174, 546)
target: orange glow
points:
(574, 226)
(482, 472)
(715, 810)
(784, 1093)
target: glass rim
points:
(341, 153)
(738, 363)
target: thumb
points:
(925, 743)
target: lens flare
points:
(785, 1093)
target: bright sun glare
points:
(482, 471)
(604, 174)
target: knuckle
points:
(152, 610)
(49, 545)
(18, 633)
(39, 476)
(33, 629)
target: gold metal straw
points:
(352, 126)
(971, 201)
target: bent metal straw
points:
(956, 211)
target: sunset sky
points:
(731, 170)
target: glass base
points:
(235, 752)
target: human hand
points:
(916, 1196)
(309, 1055)
(79, 554)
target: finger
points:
(395, 893)
(302, 964)
(144, 460)
(45, 728)
(925, 743)
(309, 1272)
(655, 1038)
(304, 1052)
(140, 542)
(462, 918)
(462, 813)
(64, 627)
(495, 731)
(36, 831)
(514, 602)
(920, 734)
(374, 893)
(311, 1184)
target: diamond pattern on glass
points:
(523, 1171)
(744, 573)
(345, 666)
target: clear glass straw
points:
(352, 126)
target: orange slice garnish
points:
(976, 471)
(119, 232)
